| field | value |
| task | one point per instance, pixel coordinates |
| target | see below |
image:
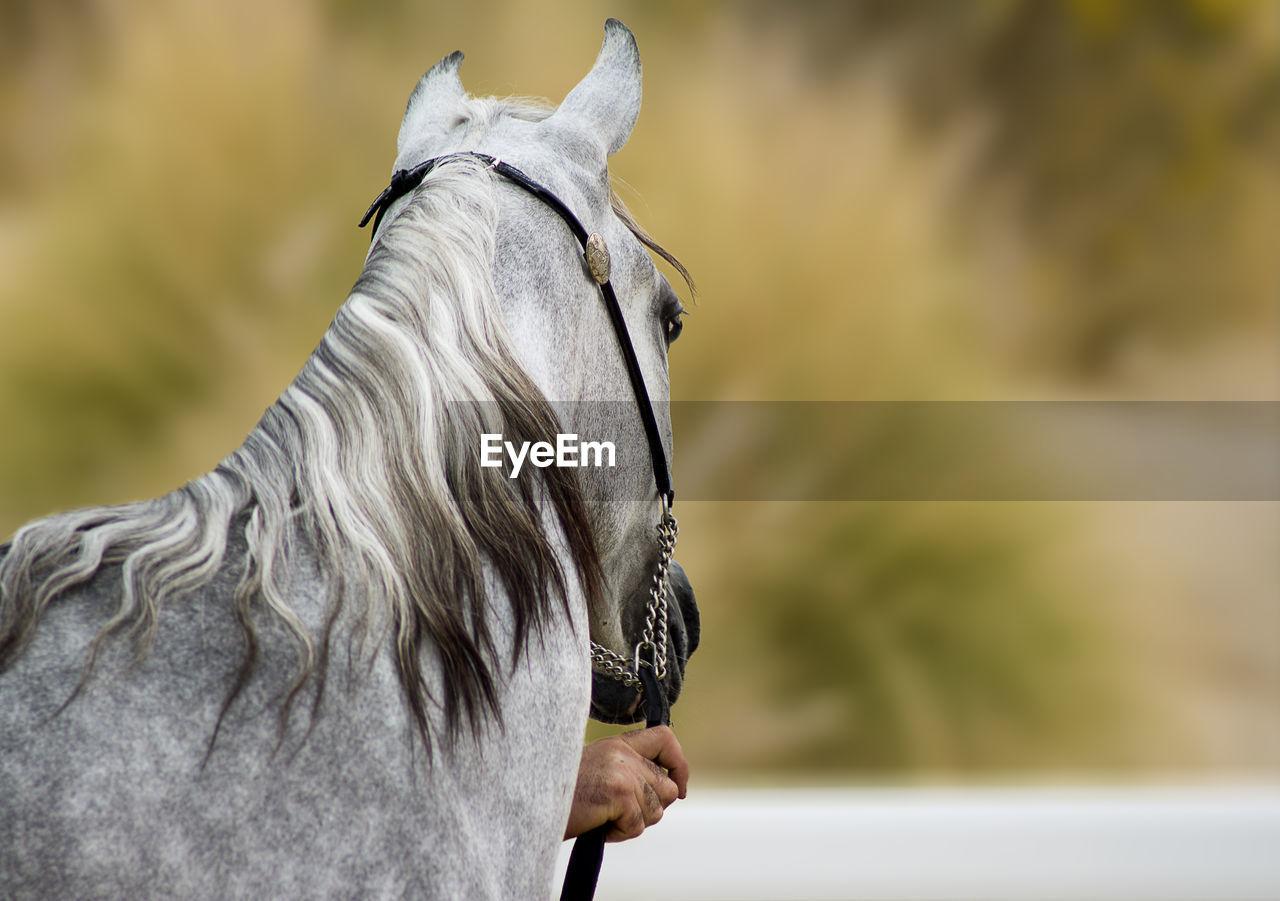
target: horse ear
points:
(432, 104)
(606, 103)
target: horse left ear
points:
(432, 106)
(606, 103)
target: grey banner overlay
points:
(977, 450)
(965, 451)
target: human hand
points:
(628, 780)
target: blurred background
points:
(890, 202)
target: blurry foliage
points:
(1135, 141)
(158, 234)
(880, 201)
(930, 639)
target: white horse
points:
(351, 660)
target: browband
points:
(405, 180)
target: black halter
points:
(405, 180)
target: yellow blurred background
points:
(880, 201)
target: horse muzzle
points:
(614, 702)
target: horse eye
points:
(672, 323)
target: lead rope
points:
(587, 856)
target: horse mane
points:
(369, 456)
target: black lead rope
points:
(583, 872)
(405, 180)
(588, 851)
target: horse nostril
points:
(683, 592)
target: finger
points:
(640, 810)
(648, 742)
(666, 789)
(651, 805)
(629, 823)
(660, 744)
(638, 778)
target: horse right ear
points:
(606, 103)
(432, 106)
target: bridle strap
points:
(406, 180)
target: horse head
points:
(561, 332)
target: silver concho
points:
(598, 258)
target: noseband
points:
(649, 664)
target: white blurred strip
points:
(930, 844)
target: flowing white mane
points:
(369, 458)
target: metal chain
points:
(655, 625)
(614, 665)
(654, 637)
